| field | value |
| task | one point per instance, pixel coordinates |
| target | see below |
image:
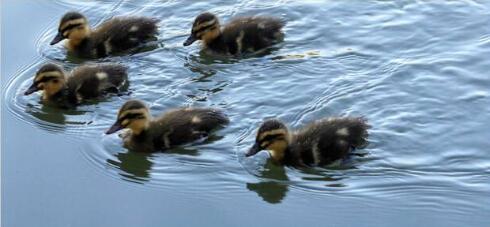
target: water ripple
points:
(414, 69)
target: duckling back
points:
(122, 34)
(250, 34)
(92, 81)
(328, 140)
(189, 124)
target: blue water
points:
(417, 70)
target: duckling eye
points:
(135, 116)
(273, 137)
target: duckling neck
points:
(74, 44)
(139, 135)
(77, 42)
(217, 43)
(279, 156)
(141, 131)
(55, 94)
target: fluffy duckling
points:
(175, 127)
(241, 35)
(320, 143)
(113, 36)
(85, 82)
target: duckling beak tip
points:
(254, 150)
(31, 90)
(114, 128)
(57, 39)
(190, 40)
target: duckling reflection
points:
(241, 35)
(46, 114)
(114, 36)
(274, 189)
(52, 118)
(135, 166)
(205, 72)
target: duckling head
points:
(272, 136)
(73, 26)
(49, 78)
(133, 115)
(206, 28)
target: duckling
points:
(241, 35)
(85, 82)
(113, 36)
(175, 127)
(320, 143)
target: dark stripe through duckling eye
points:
(46, 79)
(69, 27)
(131, 116)
(204, 28)
(272, 137)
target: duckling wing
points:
(207, 119)
(187, 125)
(91, 81)
(112, 77)
(123, 33)
(337, 137)
(250, 34)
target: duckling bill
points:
(111, 37)
(320, 143)
(84, 82)
(173, 128)
(241, 35)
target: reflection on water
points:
(47, 114)
(273, 185)
(52, 118)
(135, 166)
(274, 181)
(144, 168)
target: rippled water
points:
(417, 70)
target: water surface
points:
(418, 71)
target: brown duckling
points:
(116, 35)
(175, 127)
(241, 35)
(84, 82)
(320, 143)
